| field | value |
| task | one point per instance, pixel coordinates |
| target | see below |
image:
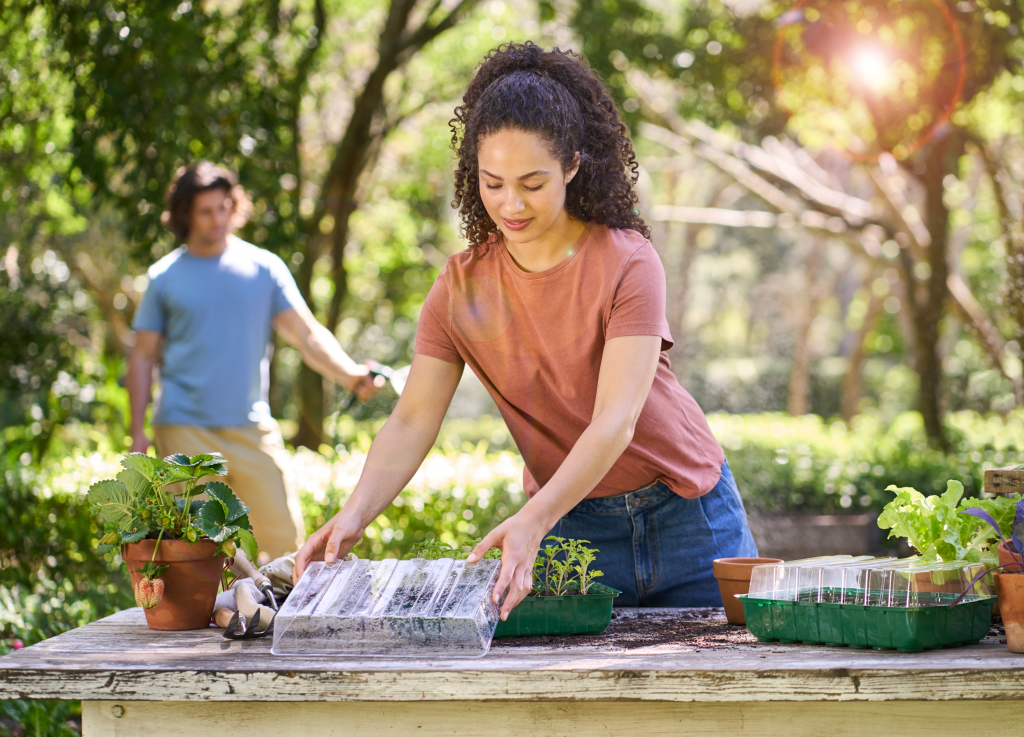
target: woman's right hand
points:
(330, 542)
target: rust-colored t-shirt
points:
(535, 340)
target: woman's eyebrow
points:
(525, 176)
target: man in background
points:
(206, 319)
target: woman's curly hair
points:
(557, 95)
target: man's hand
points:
(519, 539)
(366, 386)
(140, 443)
(330, 542)
(321, 351)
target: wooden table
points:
(134, 681)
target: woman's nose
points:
(514, 203)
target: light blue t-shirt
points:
(215, 316)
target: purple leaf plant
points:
(1016, 540)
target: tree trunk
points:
(932, 295)
(798, 403)
(849, 403)
(397, 44)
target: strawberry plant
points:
(140, 504)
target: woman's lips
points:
(516, 224)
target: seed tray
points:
(574, 614)
(934, 623)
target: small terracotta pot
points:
(1010, 590)
(1007, 556)
(733, 576)
(190, 581)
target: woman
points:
(559, 308)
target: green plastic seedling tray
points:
(906, 629)
(561, 615)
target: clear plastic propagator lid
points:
(864, 580)
(408, 608)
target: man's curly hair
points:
(558, 96)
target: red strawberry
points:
(149, 592)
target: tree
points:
(158, 83)
(783, 67)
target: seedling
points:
(564, 568)
(434, 549)
(561, 569)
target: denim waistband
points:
(629, 503)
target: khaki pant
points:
(254, 454)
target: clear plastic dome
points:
(890, 582)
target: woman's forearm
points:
(395, 455)
(627, 372)
(590, 459)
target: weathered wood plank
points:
(677, 686)
(907, 719)
(119, 658)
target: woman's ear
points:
(574, 167)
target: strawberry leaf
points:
(247, 543)
(178, 459)
(144, 464)
(232, 505)
(111, 501)
(137, 533)
(135, 482)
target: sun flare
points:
(872, 66)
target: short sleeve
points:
(638, 307)
(434, 333)
(150, 314)
(286, 292)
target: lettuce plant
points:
(943, 527)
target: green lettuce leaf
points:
(935, 525)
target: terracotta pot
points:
(1010, 590)
(1006, 555)
(190, 581)
(733, 576)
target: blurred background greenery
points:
(835, 190)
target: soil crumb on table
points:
(632, 629)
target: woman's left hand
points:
(519, 538)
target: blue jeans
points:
(656, 547)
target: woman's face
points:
(521, 184)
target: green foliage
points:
(455, 497)
(934, 526)
(138, 504)
(434, 549)
(41, 718)
(807, 464)
(34, 354)
(564, 568)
